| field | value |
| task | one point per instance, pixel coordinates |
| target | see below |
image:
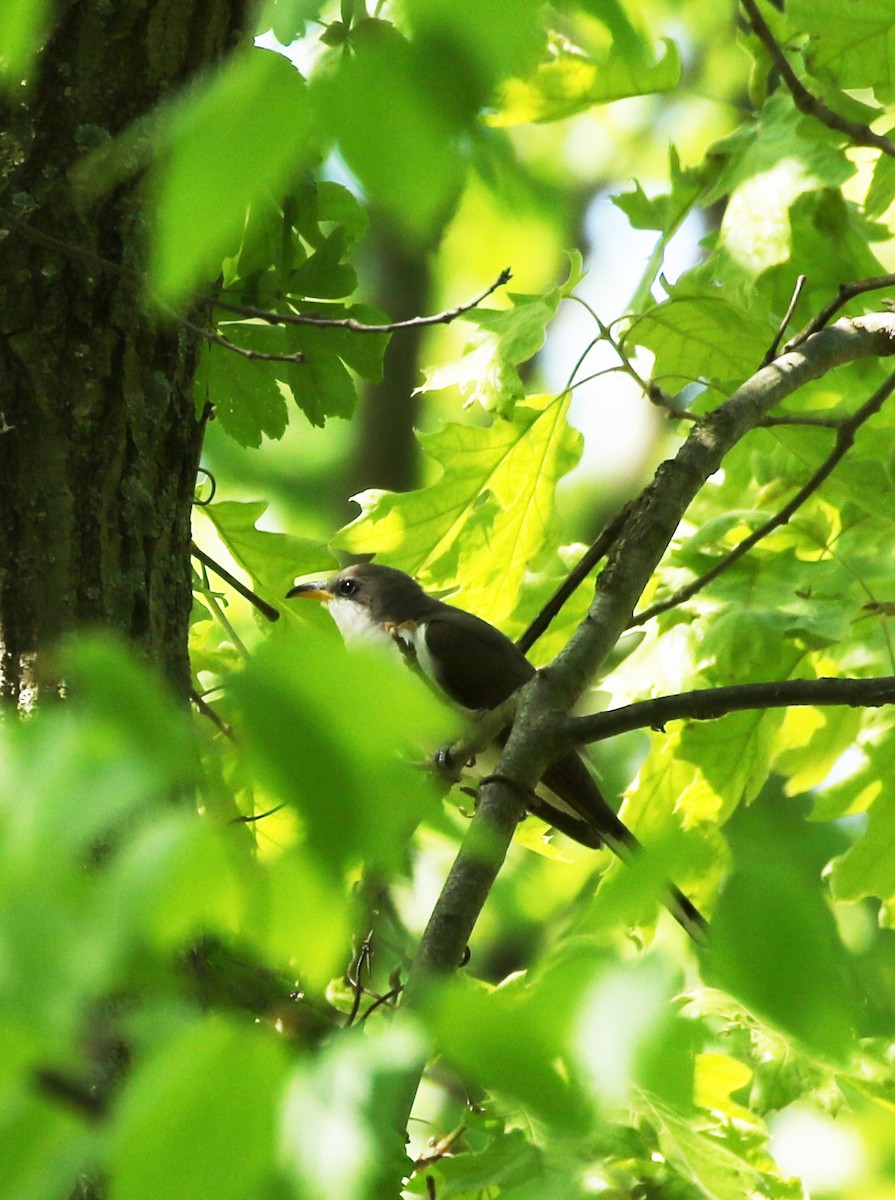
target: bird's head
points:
(365, 598)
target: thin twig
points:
(650, 388)
(784, 324)
(847, 291)
(251, 818)
(246, 310)
(708, 704)
(845, 436)
(441, 318)
(807, 102)
(207, 711)
(268, 610)
(355, 976)
(217, 339)
(577, 575)
(385, 998)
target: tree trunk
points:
(99, 439)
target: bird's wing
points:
(475, 664)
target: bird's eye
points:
(346, 587)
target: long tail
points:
(621, 841)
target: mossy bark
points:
(99, 438)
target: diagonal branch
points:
(845, 437)
(268, 610)
(707, 704)
(577, 575)
(807, 102)
(649, 527)
(847, 291)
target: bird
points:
(477, 667)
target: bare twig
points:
(385, 998)
(218, 339)
(268, 610)
(207, 711)
(250, 819)
(805, 101)
(246, 310)
(355, 976)
(577, 575)
(440, 1148)
(784, 324)
(710, 703)
(441, 318)
(845, 436)
(847, 291)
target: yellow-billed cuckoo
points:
(477, 667)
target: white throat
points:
(355, 624)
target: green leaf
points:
(881, 192)
(199, 1116)
(487, 519)
(701, 336)
(247, 398)
(508, 1042)
(570, 82)
(273, 560)
(719, 1174)
(508, 1162)
(628, 1033)
(868, 868)
(484, 41)
(768, 168)
(487, 371)
(350, 1097)
(22, 25)
(45, 1146)
(335, 735)
(851, 43)
(384, 107)
(769, 935)
(663, 212)
(245, 133)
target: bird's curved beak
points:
(318, 589)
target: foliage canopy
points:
(247, 963)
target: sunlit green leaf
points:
(273, 560)
(716, 1172)
(487, 520)
(570, 82)
(850, 42)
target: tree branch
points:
(845, 437)
(441, 318)
(577, 575)
(707, 704)
(807, 102)
(847, 291)
(649, 527)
